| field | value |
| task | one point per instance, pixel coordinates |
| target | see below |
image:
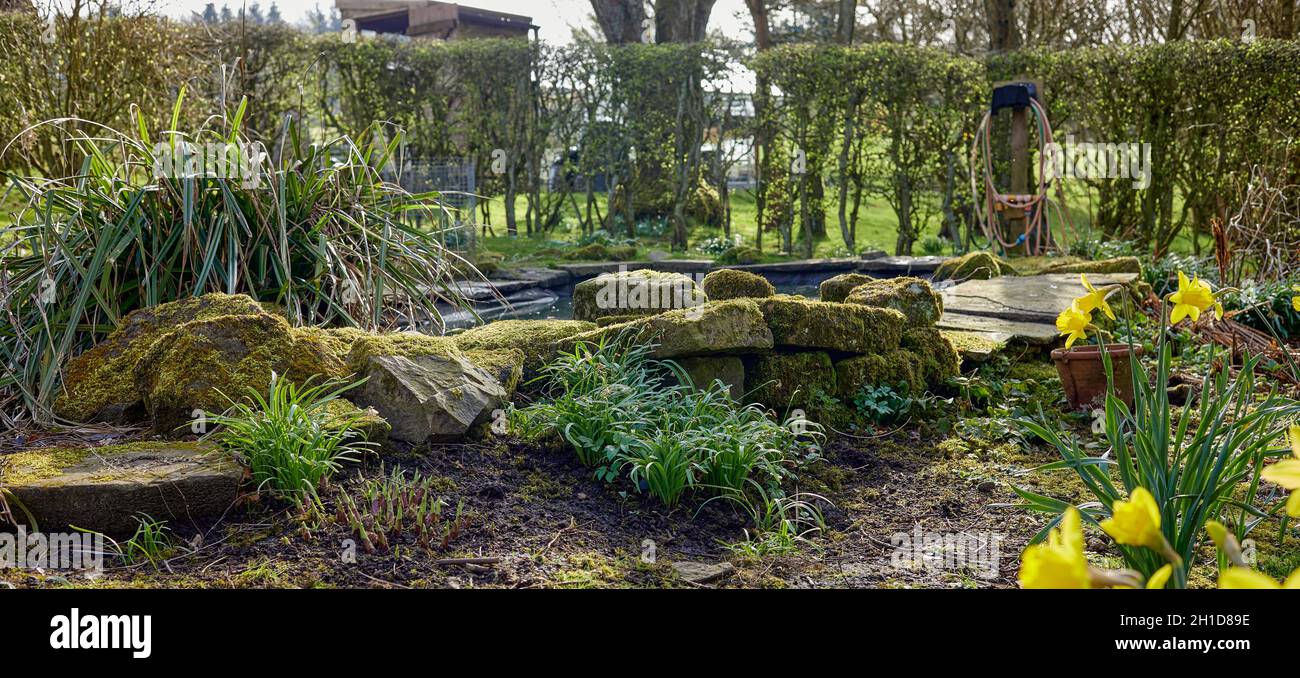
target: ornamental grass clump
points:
(313, 228)
(1168, 472)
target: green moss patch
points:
(837, 288)
(851, 328)
(973, 266)
(601, 252)
(535, 338)
(732, 284)
(913, 297)
(98, 384)
(28, 466)
(938, 360)
(896, 369)
(783, 380)
(634, 293)
(1116, 265)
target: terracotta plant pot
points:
(1084, 376)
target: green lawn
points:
(876, 229)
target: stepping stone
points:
(900, 265)
(702, 573)
(1033, 299)
(1034, 334)
(478, 290)
(104, 488)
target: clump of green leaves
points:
(290, 439)
(626, 415)
(781, 524)
(396, 504)
(882, 403)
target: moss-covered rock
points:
(403, 344)
(98, 384)
(1116, 265)
(738, 255)
(729, 283)
(616, 320)
(366, 422)
(535, 338)
(837, 288)
(938, 360)
(974, 346)
(896, 369)
(973, 266)
(716, 328)
(638, 293)
(205, 364)
(601, 252)
(506, 364)
(851, 328)
(910, 296)
(321, 353)
(784, 380)
(703, 371)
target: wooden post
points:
(1015, 218)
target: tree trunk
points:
(622, 21)
(1001, 17)
(681, 20)
(846, 21)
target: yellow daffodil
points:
(1073, 323)
(1295, 301)
(1287, 473)
(1136, 522)
(1058, 563)
(1245, 578)
(1094, 299)
(1192, 298)
(1160, 577)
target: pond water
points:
(557, 303)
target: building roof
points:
(430, 18)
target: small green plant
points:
(627, 415)
(152, 543)
(781, 524)
(933, 246)
(396, 504)
(882, 403)
(289, 438)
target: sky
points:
(556, 18)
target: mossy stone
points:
(896, 369)
(938, 359)
(973, 266)
(703, 371)
(913, 297)
(739, 255)
(723, 327)
(850, 328)
(505, 364)
(1116, 265)
(321, 353)
(601, 252)
(205, 364)
(98, 384)
(637, 293)
(535, 338)
(366, 422)
(784, 380)
(837, 288)
(729, 283)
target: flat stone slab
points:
(1033, 299)
(800, 266)
(478, 290)
(1035, 334)
(541, 277)
(901, 265)
(104, 488)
